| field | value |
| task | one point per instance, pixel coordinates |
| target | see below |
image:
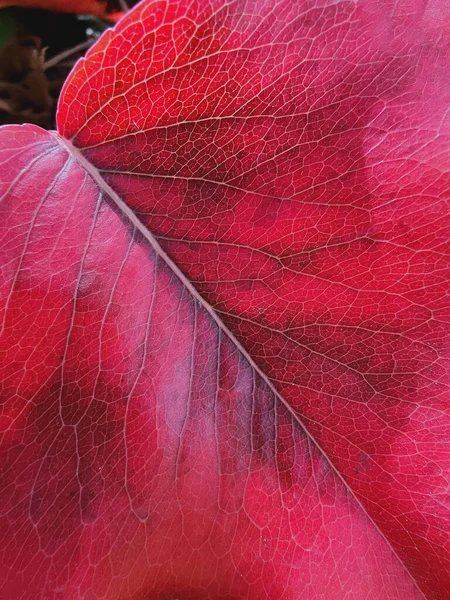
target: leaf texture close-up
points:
(225, 310)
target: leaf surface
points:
(225, 315)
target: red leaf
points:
(225, 310)
(99, 8)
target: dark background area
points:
(38, 49)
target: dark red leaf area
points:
(141, 455)
(292, 159)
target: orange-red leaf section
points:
(99, 8)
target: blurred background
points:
(40, 41)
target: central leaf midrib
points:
(147, 234)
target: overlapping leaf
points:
(109, 9)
